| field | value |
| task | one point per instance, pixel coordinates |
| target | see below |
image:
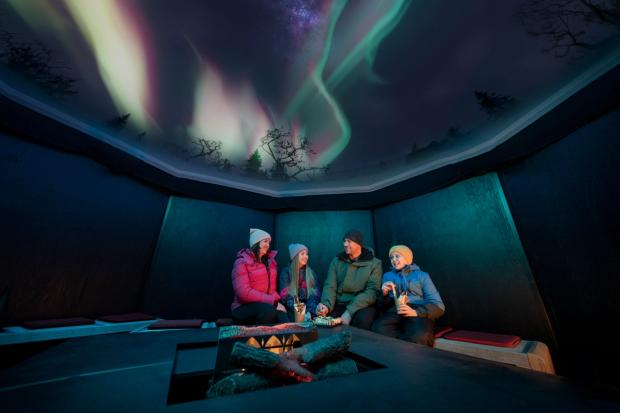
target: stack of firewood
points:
(262, 369)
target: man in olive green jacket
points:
(352, 283)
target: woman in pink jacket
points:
(254, 282)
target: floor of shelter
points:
(133, 372)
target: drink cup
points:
(400, 301)
(300, 312)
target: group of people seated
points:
(402, 303)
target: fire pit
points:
(262, 368)
(253, 358)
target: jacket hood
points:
(248, 256)
(366, 255)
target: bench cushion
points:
(124, 318)
(57, 322)
(489, 339)
(222, 322)
(441, 331)
(164, 324)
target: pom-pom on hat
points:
(257, 235)
(355, 236)
(295, 249)
(404, 252)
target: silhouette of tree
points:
(289, 158)
(412, 152)
(254, 164)
(494, 104)
(33, 62)
(565, 23)
(211, 150)
(119, 121)
(453, 133)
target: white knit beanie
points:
(295, 249)
(257, 235)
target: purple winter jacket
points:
(251, 281)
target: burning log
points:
(298, 364)
(248, 356)
(283, 365)
(324, 348)
(290, 363)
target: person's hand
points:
(346, 318)
(387, 287)
(280, 307)
(321, 309)
(406, 311)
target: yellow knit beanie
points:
(404, 251)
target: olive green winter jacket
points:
(354, 283)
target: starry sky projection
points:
(378, 87)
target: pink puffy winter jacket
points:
(250, 280)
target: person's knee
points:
(266, 314)
(282, 317)
(377, 327)
(425, 338)
(364, 318)
(382, 326)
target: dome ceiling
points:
(295, 97)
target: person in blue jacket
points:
(411, 313)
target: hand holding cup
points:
(387, 287)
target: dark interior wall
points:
(75, 238)
(190, 274)
(464, 237)
(566, 204)
(321, 232)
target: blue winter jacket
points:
(422, 293)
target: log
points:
(248, 356)
(245, 382)
(275, 369)
(324, 348)
(284, 365)
(342, 367)
(239, 383)
(292, 364)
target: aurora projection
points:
(368, 92)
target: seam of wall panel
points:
(147, 278)
(513, 228)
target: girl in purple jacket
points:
(254, 279)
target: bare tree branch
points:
(565, 23)
(290, 158)
(211, 150)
